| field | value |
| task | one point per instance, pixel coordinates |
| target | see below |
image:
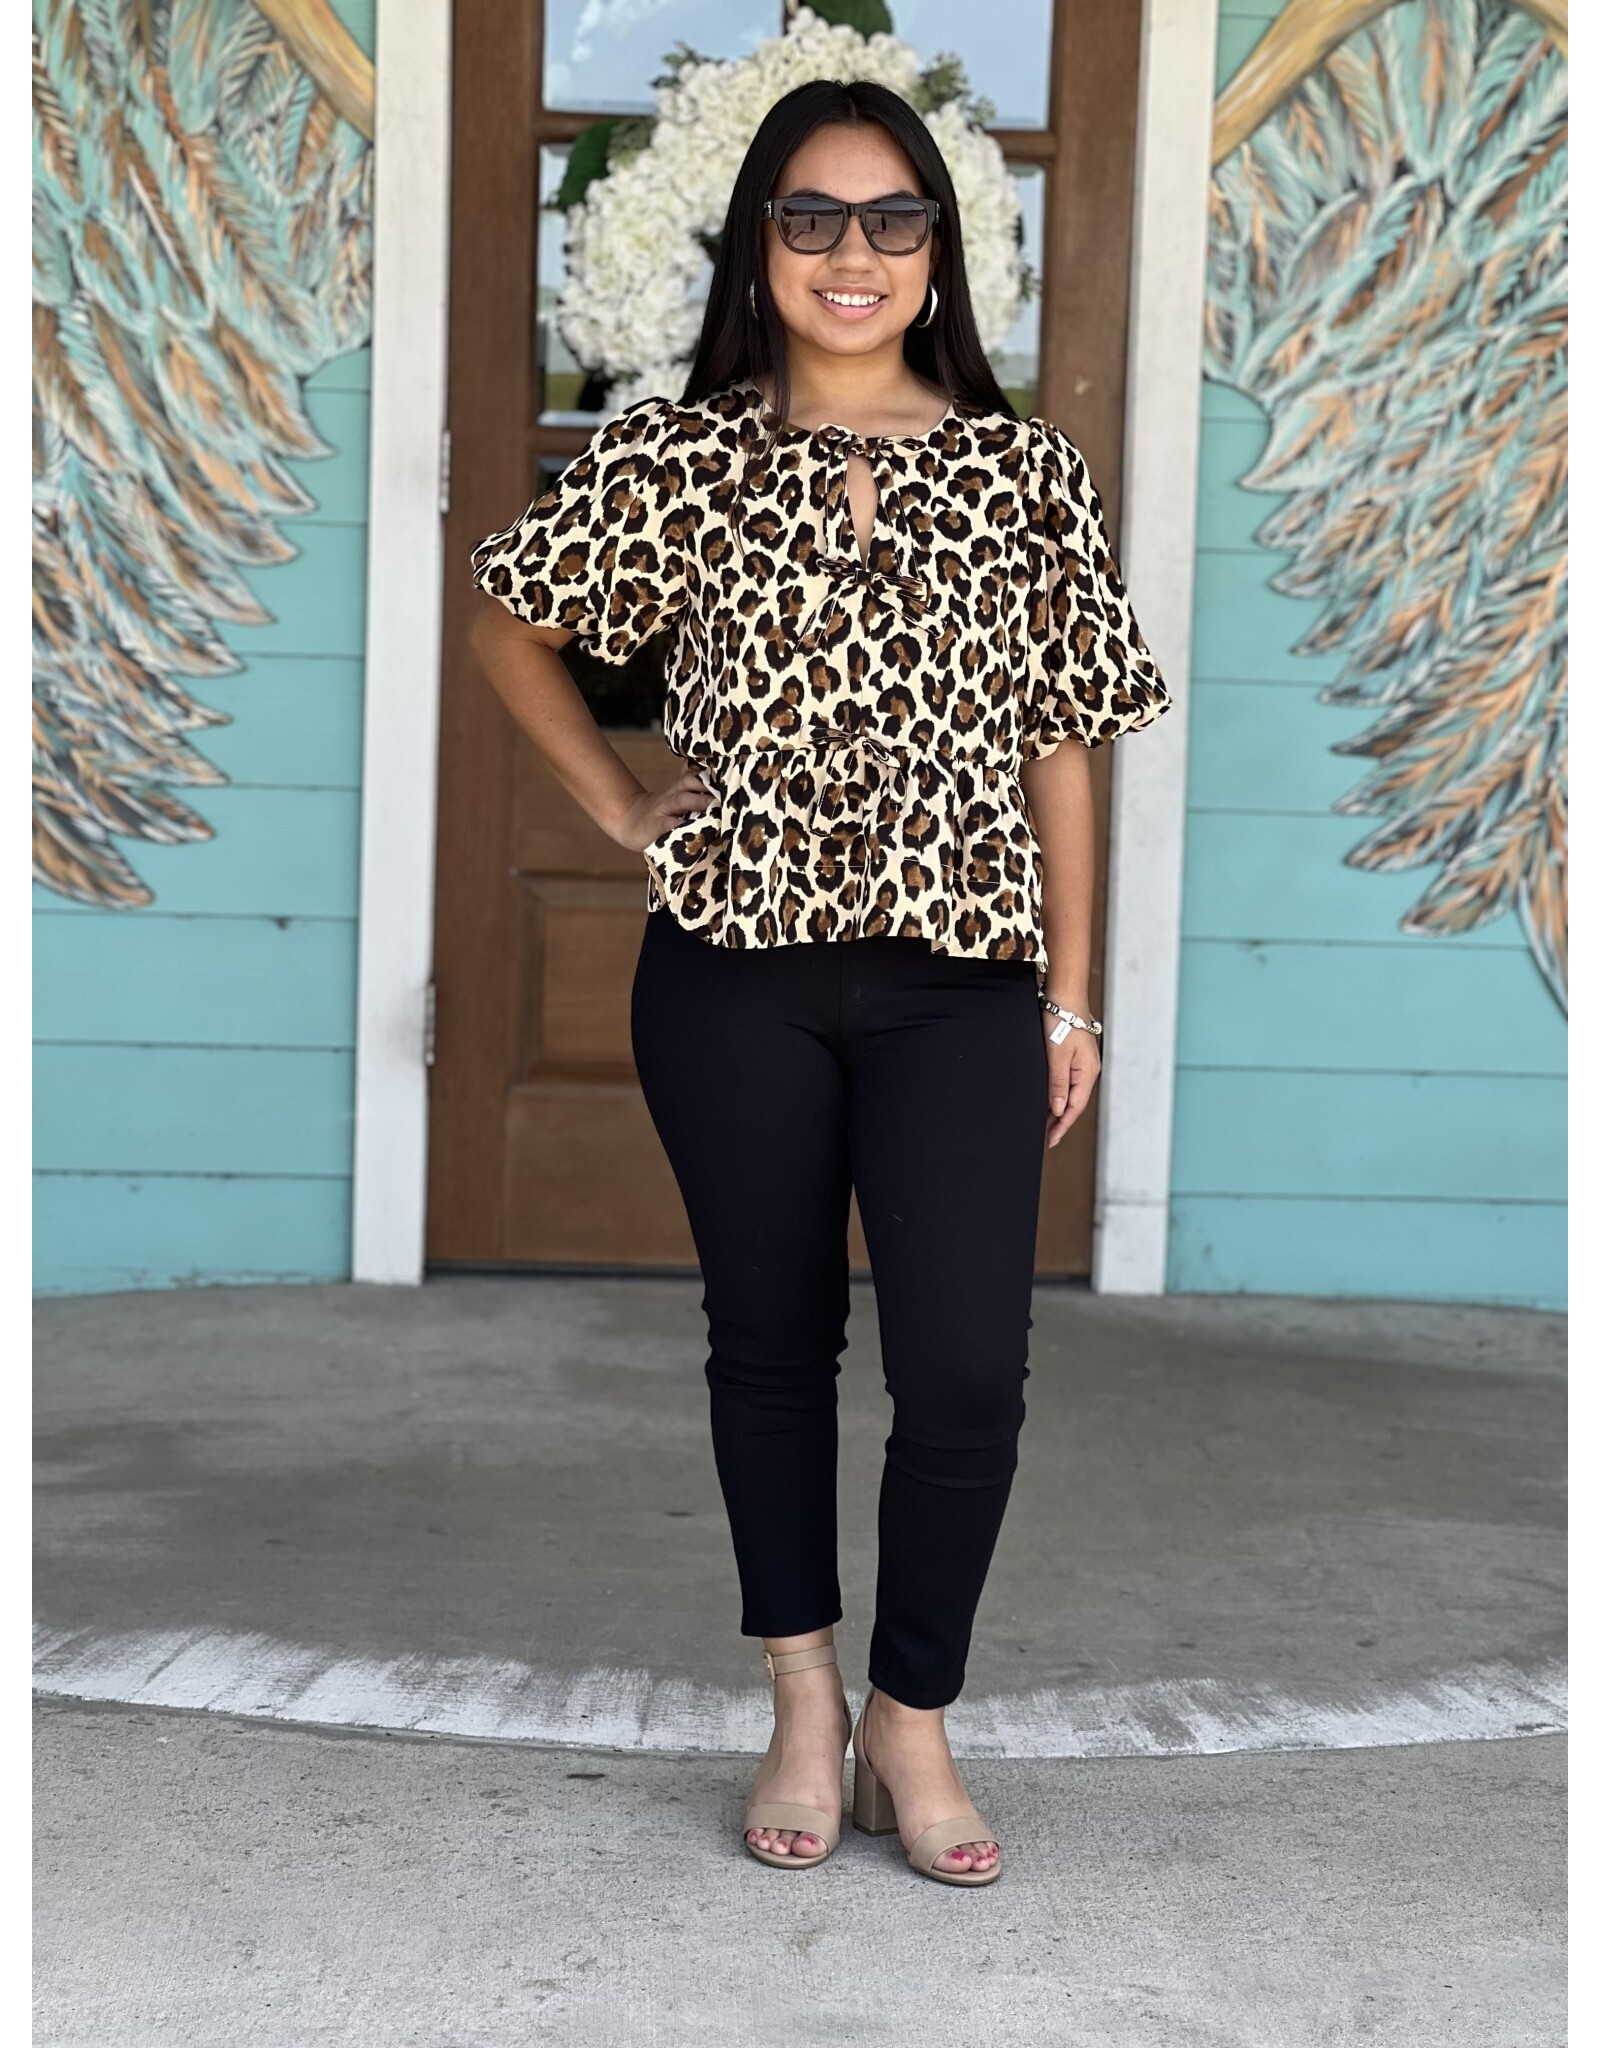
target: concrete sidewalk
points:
(1272, 1650)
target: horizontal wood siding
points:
(1359, 1111)
(194, 1066)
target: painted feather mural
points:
(201, 245)
(1388, 280)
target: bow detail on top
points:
(822, 732)
(903, 593)
(879, 768)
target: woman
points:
(893, 605)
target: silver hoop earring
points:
(927, 320)
(752, 295)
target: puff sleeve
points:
(1090, 675)
(608, 552)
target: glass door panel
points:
(602, 56)
(1005, 49)
(1016, 361)
(559, 379)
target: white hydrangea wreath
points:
(633, 248)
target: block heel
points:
(872, 1811)
(872, 1808)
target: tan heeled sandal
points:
(872, 1810)
(787, 1813)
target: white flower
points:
(633, 250)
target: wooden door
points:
(541, 1150)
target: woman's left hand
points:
(1074, 1069)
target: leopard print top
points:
(859, 720)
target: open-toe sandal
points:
(788, 1813)
(872, 1810)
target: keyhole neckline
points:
(864, 551)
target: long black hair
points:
(736, 344)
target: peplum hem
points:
(847, 834)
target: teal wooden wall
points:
(1358, 1111)
(194, 1060)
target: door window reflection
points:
(1006, 50)
(1016, 361)
(559, 379)
(602, 56)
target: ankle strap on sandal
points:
(800, 1660)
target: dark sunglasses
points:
(811, 223)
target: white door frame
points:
(405, 580)
(1149, 774)
(411, 281)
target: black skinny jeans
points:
(775, 1077)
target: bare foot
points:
(805, 1758)
(911, 1754)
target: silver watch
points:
(1070, 1020)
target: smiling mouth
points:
(854, 302)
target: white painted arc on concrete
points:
(485, 1698)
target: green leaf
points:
(868, 17)
(630, 133)
(588, 159)
(675, 63)
(945, 80)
